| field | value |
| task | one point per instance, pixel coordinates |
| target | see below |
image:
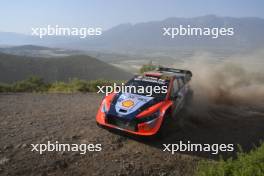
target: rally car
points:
(140, 113)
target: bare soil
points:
(31, 118)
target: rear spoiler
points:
(174, 70)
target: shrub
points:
(32, 84)
(251, 164)
(73, 85)
(5, 87)
(36, 84)
(92, 85)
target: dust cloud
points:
(234, 80)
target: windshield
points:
(148, 86)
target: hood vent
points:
(122, 110)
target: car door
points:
(175, 97)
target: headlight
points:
(104, 108)
(150, 117)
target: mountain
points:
(14, 68)
(126, 37)
(247, 34)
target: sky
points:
(21, 15)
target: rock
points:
(175, 172)
(83, 132)
(18, 146)
(75, 137)
(4, 160)
(84, 141)
(119, 145)
(75, 154)
(163, 173)
(43, 174)
(7, 147)
(61, 164)
(23, 145)
(62, 153)
(116, 160)
(58, 164)
(44, 139)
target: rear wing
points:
(186, 73)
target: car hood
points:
(128, 106)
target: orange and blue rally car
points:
(140, 111)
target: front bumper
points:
(143, 129)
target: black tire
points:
(162, 133)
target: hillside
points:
(14, 68)
(145, 35)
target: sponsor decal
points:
(128, 103)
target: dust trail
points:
(228, 97)
(234, 80)
(228, 102)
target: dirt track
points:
(70, 118)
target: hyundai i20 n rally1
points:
(142, 113)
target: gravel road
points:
(32, 118)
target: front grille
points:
(122, 123)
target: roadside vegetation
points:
(37, 84)
(246, 164)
